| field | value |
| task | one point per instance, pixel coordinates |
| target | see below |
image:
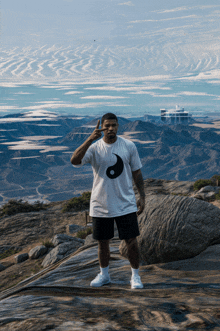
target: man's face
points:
(112, 127)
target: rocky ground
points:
(182, 295)
(24, 231)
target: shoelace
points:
(136, 278)
(100, 276)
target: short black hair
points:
(109, 116)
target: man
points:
(115, 161)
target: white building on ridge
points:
(175, 116)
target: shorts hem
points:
(103, 238)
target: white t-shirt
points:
(112, 164)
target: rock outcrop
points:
(37, 251)
(2, 267)
(72, 228)
(21, 257)
(64, 246)
(207, 193)
(174, 228)
(62, 238)
(180, 295)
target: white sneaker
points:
(100, 280)
(136, 282)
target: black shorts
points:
(103, 228)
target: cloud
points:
(214, 82)
(212, 74)
(6, 109)
(165, 19)
(144, 92)
(172, 10)
(22, 119)
(185, 8)
(23, 93)
(189, 93)
(103, 97)
(72, 105)
(36, 138)
(129, 3)
(31, 143)
(130, 88)
(38, 113)
(72, 92)
(165, 95)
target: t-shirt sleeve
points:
(135, 161)
(87, 158)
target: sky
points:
(174, 45)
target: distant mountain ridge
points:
(35, 156)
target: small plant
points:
(13, 207)
(36, 268)
(201, 183)
(8, 253)
(13, 276)
(216, 179)
(78, 203)
(47, 243)
(217, 196)
(84, 233)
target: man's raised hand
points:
(97, 133)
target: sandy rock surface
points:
(178, 295)
(182, 295)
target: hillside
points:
(35, 156)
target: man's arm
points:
(81, 150)
(139, 182)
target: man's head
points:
(110, 121)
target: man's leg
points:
(103, 229)
(104, 256)
(133, 252)
(103, 253)
(133, 257)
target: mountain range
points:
(35, 154)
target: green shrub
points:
(216, 180)
(8, 253)
(47, 243)
(84, 233)
(13, 207)
(78, 203)
(217, 196)
(201, 183)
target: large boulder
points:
(174, 228)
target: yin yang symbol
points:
(115, 170)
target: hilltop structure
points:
(175, 116)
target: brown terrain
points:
(27, 230)
(179, 295)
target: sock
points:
(135, 272)
(104, 271)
